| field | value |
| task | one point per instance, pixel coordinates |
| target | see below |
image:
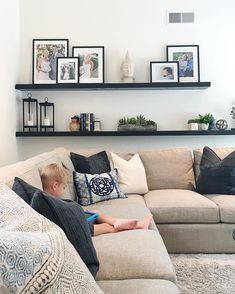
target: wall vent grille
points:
(180, 17)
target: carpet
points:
(205, 273)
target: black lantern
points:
(47, 116)
(30, 113)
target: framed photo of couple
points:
(91, 68)
(67, 70)
(45, 55)
(188, 58)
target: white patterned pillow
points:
(95, 188)
(36, 256)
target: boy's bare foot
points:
(144, 224)
(124, 224)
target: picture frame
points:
(188, 58)
(45, 54)
(67, 70)
(91, 69)
(164, 72)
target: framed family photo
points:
(164, 72)
(91, 69)
(67, 70)
(45, 54)
(188, 58)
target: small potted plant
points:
(205, 120)
(193, 124)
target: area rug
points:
(205, 273)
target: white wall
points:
(9, 52)
(139, 26)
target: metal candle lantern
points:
(47, 115)
(30, 113)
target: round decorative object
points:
(101, 186)
(221, 124)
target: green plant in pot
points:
(193, 124)
(139, 123)
(205, 121)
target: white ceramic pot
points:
(203, 127)
(193, 126)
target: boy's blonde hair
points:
(53, 172)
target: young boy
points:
(55, 180)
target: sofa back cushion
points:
(221, 152)
(169, 168)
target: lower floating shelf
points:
(129, 133)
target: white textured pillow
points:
(131, 174)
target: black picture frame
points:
(164, 72)
(42, 57)
(93, 70)
(189, 61)
(73, 65)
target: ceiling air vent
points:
(180, 17)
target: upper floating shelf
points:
(112, 86)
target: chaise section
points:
(226, 204)
(181, 206)
(138, 286)
(136, 254)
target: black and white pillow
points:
(95, 164)
(95, 188)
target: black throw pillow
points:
(70, 217)
(216, 176)
(24, 190)
(94, 164)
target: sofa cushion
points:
(169, 168)
(70, 217)
(24, 190)
(95, 164)
(139, 286)
(137, 254)
(197, 153)
(216, 176)
(131, 174)
(98, 187)
(181, 206)
(131, 210)
(226, 204)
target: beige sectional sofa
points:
(185, 221)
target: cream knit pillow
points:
(131, 174)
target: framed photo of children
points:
(91, 69)
(67, 70)
(164, 72)
(188, 58)
(45, 54)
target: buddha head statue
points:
(127, 69)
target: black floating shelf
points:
(129, 133)
(112, 86)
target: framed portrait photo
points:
(188, 58)
(45, 54)
(91, 69)
(164, 72)
(67, 70)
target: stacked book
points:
(87, 121)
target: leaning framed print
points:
(45, 54)
(188, 58)
(91, 69)
(67, 70)
(164, 72)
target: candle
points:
(46, 121)
(30, 120)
